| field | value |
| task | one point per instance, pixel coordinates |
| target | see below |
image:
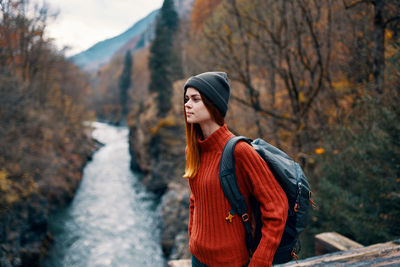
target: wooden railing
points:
(334, 249)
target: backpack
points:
(292, 180)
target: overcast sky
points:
(82, 23)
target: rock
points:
(180, 248)
(175, 213)
(4, 261)
(30, 256)
(157, 146)
(24, 233)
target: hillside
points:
(101, 53)
(134, 38)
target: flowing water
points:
(112, 220)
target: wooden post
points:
(180, 263)
(332, 242)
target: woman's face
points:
(196, 111)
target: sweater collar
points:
(217, 140)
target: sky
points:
(82, 23)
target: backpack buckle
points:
(294, 255)
(230, 217)
(314, 205)
(295, 207)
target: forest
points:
(43, 104)
(43, 143)
(318, 79)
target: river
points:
(112, 220)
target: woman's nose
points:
(187, 104)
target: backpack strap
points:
(228, 181)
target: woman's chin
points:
(191, 121)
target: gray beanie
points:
(213, 85)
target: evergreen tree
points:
(164, 62)
(357, 180)
(125, 82)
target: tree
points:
(285, 43)
(385, 12)
(125, 83)
(201, 10)
(164, 62)
(21, 38)
(357, 178)
(43, 142)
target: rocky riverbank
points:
(157, 146)
(24, 233)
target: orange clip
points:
(230, 217)
(295, 207)
(294, 255)
(314, 205)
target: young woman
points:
(214, 241)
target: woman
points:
(214, 241)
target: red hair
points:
(194, 133)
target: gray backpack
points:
(292, 180)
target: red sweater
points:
(213, 240)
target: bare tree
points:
(287, 43)
(385, 12)
(232, 48)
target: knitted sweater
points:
(213, 240)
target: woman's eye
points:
(194, 99)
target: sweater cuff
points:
(260, 262)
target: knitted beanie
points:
(214, 86)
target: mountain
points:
(137, 36)
(101, 53)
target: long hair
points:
(194, 133)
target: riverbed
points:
(113, 220)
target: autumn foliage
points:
(202, 9)
(42, 109)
